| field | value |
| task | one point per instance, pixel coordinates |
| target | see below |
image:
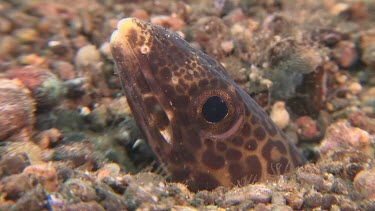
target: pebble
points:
(33, 59)
(295, 200)
(109, 170)
(45, 87)
(47, 138)
(141, 14)
(278, 198)
(60, 46)
(46, 175)
(87, 55)
(14, 186)
(64, 70)
(368, 55)
(340, 186)
(105, 49)
(313, 176)
(279, 114)
(313, 199)
(307, 129)
(364, 183)
(227, 46)
(328, 37)
(78, 190)
(329, 200)
(17, 110)
(13, 163)
(341, 135)
(80, 155)
(355, 88)
(119, 107)
(172, 22)
(92, 206)
(8, 47)
(26, 35)
(32, 151)
(5, 25)
(34, 199)
(108, 199)
(280, 207)
(206, 30)
(262, 207)
(338, 8)
(345, 53)
(363, 121)
(367, 44)
(256, 193)
(52, 25)
(234, 16)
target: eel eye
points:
(214, 109)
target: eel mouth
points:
(131, 46)
(130, 67)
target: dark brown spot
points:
(168, 91)
(254, 167)
(259, 133)
(188, 77)
(267, 148)
(178, 72)
(193, 90)
(209, 143)
(180, 155)
(223, 85)
(141, 40)
(193, 139)
(202, 83)
(203, 181)
(182, 83)
(233, 154)
(181, 175)
(238, 141)
(251, 145)
(166, 73)
(180, 89)
(162, 62)
(277, 168)
(269, 126)
(200, 69)
(221, 146)
(214, 82)
(236, 172)
(210, 159)
(246, 130)
(132, 36)
(251, 173)
(180, 101)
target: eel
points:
(203, 128)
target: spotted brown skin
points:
(201, 126)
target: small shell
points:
(45, 87)
(17, 109)
(45, 173)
